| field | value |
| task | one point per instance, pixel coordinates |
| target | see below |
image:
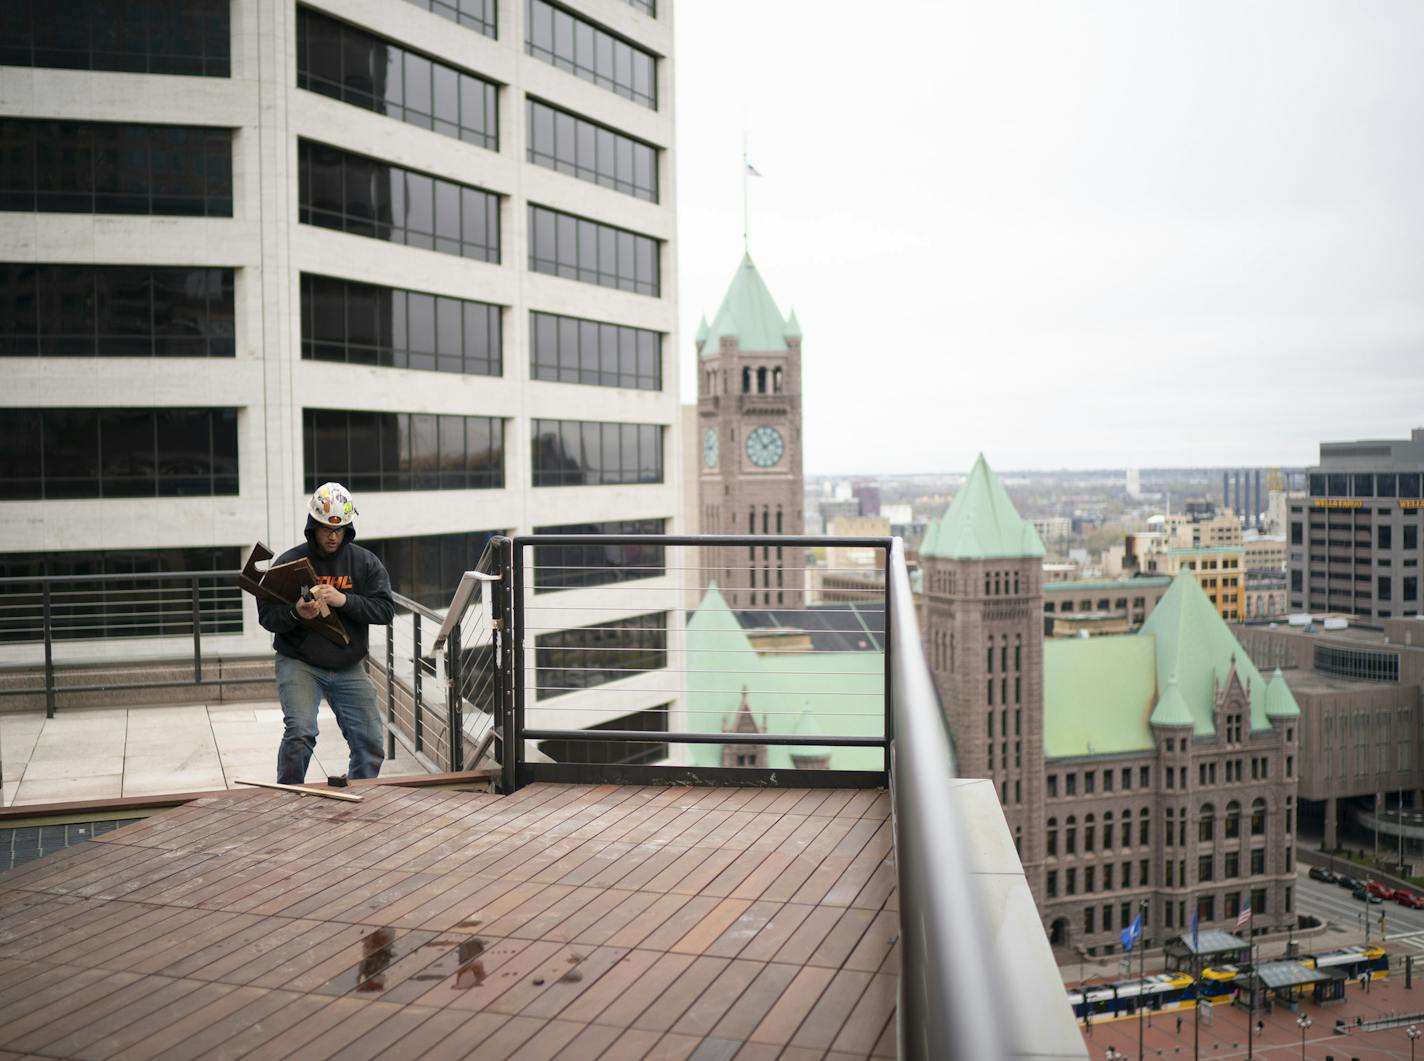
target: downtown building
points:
(1155, 766)
(1355, 537)
(422, 247)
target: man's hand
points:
(308, 609)
(332, 596)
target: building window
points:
(586, 656)
(1205, 868)
(580, 453)
(1052, 786)
(156, 607)
(363, 324)
(402, 451)
(359, 68)
(115, 311)
(1070, 836)
(1258, 817)
(1053, 836)
(559, 567)
(1232, 867)
(1052, 883)
(1144, 777)
(590, 52)
(478, 15)
(1258, 861)
(1385, 585)
(47, 454)
(1357, 663)
(188, 37)
(1072, 879)
(427, 568)
(591, 152)
(1071, 784)
(578, 249)
(367, 197)
(570, 350)
(619, 752)
(1144, 827)
(114, 168)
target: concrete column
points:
(1332, 808)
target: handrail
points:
(465, 590)
(948, 1006)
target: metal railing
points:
(46, 610)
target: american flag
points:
(1243, 917)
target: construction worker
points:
(353, 584)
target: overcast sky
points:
(1069, 235)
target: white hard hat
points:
(331, 505)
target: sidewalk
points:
(106, 753)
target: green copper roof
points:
(1196, 649)
(1097, 695)
(1104, 694)
(701, 329)
(748, 314)
(982, 523)
(1106, 583)
(1279, 701)
(793, 326)
(1171, 709)
(812, 693)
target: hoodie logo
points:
(342, 582)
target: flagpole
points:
(1251, 1017)
(745, 245)
(1141, 972)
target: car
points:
(1409, 899)
(1322, 874)
(1361, 893)
(1381, 891)
(1347, 882)
(1376, 899)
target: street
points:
(1403, 927)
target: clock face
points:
(709, 447)
(765, 446)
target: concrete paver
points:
(105, 753)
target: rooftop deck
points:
(559, 921)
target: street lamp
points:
(1413, 1033)
(1302, 1022)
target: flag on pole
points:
(751, 170)
(1130, 934)
(1243, 917)
(1196, 940)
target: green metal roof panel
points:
(701, 329)
(1171, 709)
(748, 314)
(842, 691)
(793, 326)
(1107, 583)
(1098, 693)
(982, 523)
(1279, 701)
(1196, 649)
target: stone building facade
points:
(749, 433)
(1158, 765)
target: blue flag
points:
(1131, 933)
(1196, 941)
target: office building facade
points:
(422, 247)
(1355, 537)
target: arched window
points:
(761, 380)
(1070, 835)
(778, 519)
(1206, 822)
(1170, 816)
(776, 380)
(1107, 830)
(1127, 828)
(1053, 836)
(986, 583)
(989, 655)
(1233, 820)
(1258, 817)
(746, 381)
(1088, 830)
(1144, 827)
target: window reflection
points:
(402, 451)
(573, 44)
(579, 453)
(591, 152)
(188, 37)
(569, 350)
(577, 249)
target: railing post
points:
(887, 661)
(454, 700)
(48, 651)
(516, 672)
(415, 661)
(504, 666)
(391, 689)
(197, 638)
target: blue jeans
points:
(352, 697)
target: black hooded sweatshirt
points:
(355, 572)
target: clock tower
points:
(749, 435)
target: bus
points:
(1158, 993)
(1355, 961)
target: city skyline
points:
(992, 223)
